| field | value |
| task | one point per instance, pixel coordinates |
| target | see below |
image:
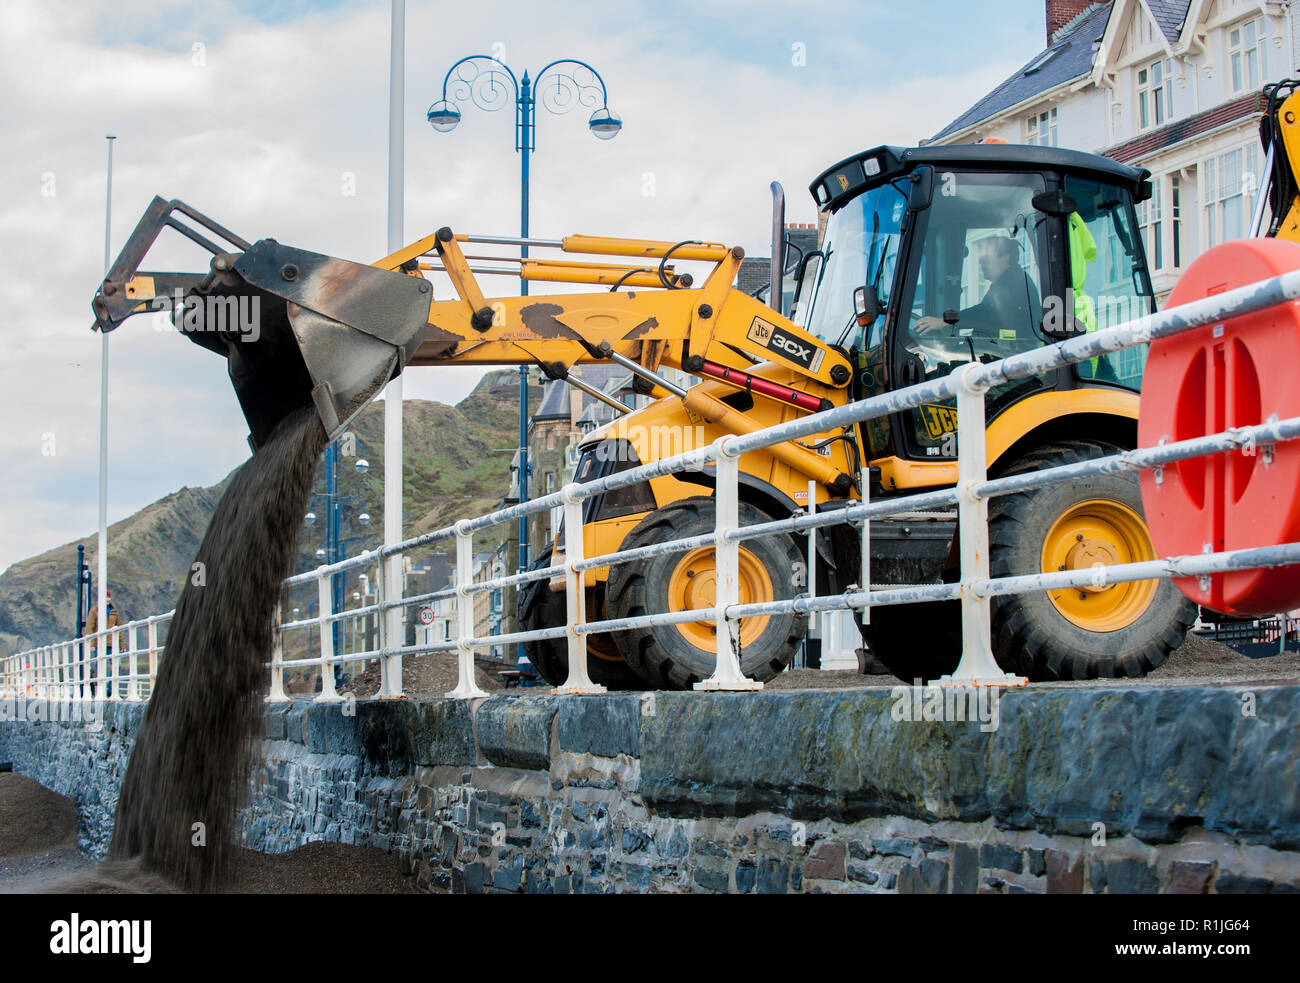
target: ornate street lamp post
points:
(560, 87)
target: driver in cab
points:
(1005, 316)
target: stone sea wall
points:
(1082, 789)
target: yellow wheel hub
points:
(694, 584)
(602, 647)
(1092, 534)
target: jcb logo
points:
(769, 336)
(939, 420)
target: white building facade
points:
(1174, 87)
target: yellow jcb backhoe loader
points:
(1279, 132)
(932, 257)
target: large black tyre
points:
(1122, 630)
(678, 656)
(540, 607)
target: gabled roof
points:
(1070, 56)
(555, 402)
(1169, 15)
(596, 413)
(555, 395)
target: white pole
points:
(102, 541)
(727, 674)
(390, 669)
(977, 666)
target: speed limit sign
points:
(426, 616)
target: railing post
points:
(977, 666)
(328, 694)
(153, 654)
(389, 626)
(864, 482)
(114, 657)
(381, 629)
(812, 558)
(575, 551)
(276, 692)
(132, 684)
(727, 673)
(467, 687)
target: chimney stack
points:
(1061, 12)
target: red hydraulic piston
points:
(763, 387)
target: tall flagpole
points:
(102, 548)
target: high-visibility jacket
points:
(1083, 250)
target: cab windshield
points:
(861, 247)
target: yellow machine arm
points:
(657, 318)
(298, 326)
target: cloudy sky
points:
(271, 116)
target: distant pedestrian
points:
(113, 620)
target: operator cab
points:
(972, 253)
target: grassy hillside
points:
(457, 465)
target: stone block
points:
(1001, 856)
(965, 869)
(1190, 876)
(1130, 876)
(711, 880)
(746, 876)
(1064, 872)
(930, 876)
(515, 732)
(826, 862)
(605, 726)
(772, 876)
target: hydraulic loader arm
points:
(297, 326)
(674, 325)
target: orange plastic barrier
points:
(1232, 374)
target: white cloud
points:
(260, 136)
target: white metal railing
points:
(96, 666)
(45, 669)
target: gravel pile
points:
(431, 674)
(33, 820)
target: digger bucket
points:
(296, 327)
